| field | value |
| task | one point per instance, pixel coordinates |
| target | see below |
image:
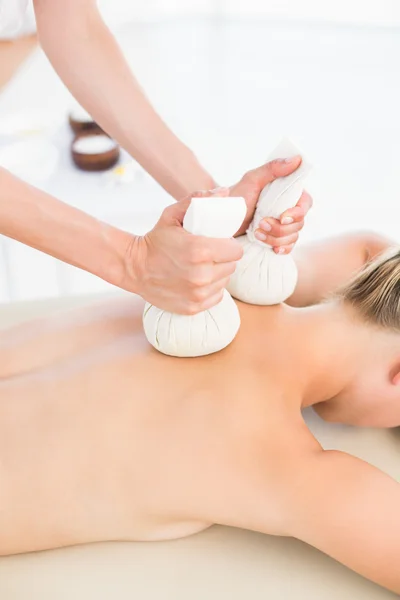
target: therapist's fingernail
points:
(260, 235)
(218, 190)
(290, 159)
(287, 220)
(265, 225)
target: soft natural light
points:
(231, 78)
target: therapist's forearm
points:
(87, 58)
(46, 224)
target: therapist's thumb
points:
(174, 214)
(280, 167)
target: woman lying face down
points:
(103, 438)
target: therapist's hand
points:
(177, 271)
(281, 234)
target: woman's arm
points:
(326, 265)
(89, 61)
(351, 511)
(166, 267)
(44, 223)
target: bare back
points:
(102, 437)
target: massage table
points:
(220, 563)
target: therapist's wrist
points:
(118, 269)
(172, 164)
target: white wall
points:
(371, 12)
(230, 89)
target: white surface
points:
(335, 90)
(27, 122)
(219, 564)
(33, 161)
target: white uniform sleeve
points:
(16, 19)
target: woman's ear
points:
(395, 374)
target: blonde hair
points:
(374, 292)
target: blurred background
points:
(230, 78)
